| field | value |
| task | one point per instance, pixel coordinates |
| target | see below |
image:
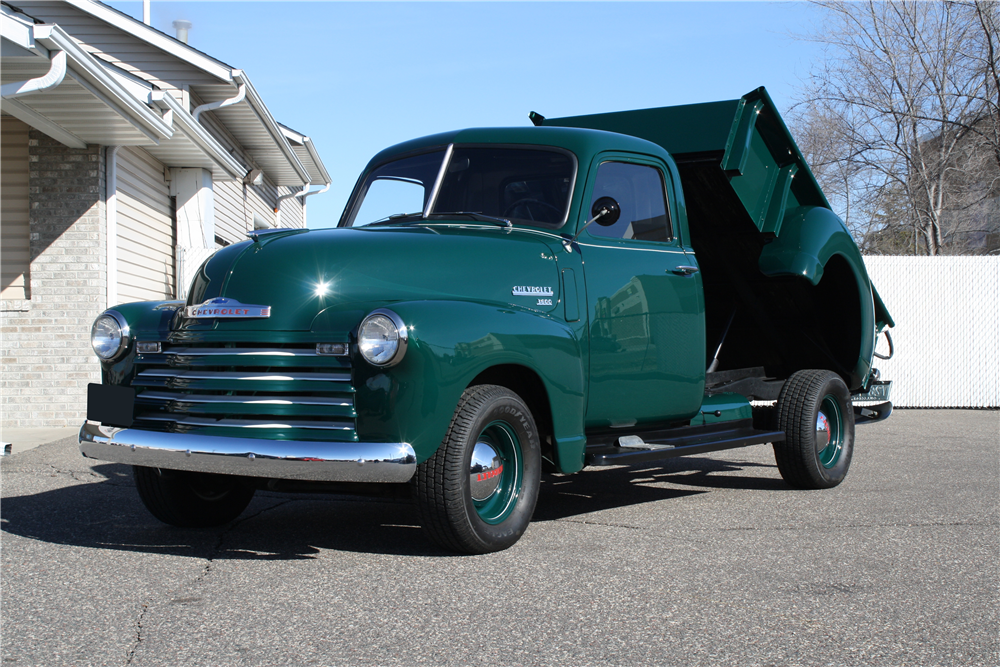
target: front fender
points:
(147, 320)
(450, 343)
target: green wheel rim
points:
(500, 503)
(829, 432)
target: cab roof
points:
(581, 142)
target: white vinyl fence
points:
(947, 334)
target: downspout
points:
(281, 198)
(309, 194)
(111, 213)
(55, 75)
(315, 192)
(211, 106)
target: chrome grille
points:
(280, 392)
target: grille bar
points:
(242, 352)
(234, 359)
(326, 425)
(250, 376)
(152, 396)
(282, 391)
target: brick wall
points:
(47, 359)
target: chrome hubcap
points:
(484, 471)
(823, 432)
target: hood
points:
(301, 275)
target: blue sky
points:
(358, 77)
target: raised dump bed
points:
(781, 273)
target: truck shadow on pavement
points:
(104, 512)
(598, 489)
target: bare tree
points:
(985, 53)
(899, 117)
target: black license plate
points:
(110, 404)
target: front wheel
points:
(478, 492)
(814, 410)
(191, 499)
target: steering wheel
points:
(527, 203)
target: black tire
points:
(815, 412)
(473, 508)
(191, 499)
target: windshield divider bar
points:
(437, 183)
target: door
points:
(646, 312)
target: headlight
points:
(109, 335)
(382, 338)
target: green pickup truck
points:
(588, 291)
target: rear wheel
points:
(191, 499)
(814, 410)
(478, 492)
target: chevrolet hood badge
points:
(223, 308)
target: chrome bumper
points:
(250, 457)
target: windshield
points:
(529, 186)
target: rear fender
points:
(810, 237)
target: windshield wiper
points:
(396, 217)
(480, 217)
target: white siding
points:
(145, 229)
(947, 333)
(14, 248)
(235, 206)
(291, 209)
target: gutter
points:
(198, 135)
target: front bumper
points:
(249, 457)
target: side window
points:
(639, 191)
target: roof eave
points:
(271, 126)
(44, 39)
(314, 154)
(310, 148)
(140, 30)
(102, 83)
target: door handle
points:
(685, 270)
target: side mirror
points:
(606, 211)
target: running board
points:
(607, 450)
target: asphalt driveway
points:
(701, 561)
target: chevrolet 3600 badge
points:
(532, 291)
(679, 262)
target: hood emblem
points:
(523, 290)
(223, 308)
